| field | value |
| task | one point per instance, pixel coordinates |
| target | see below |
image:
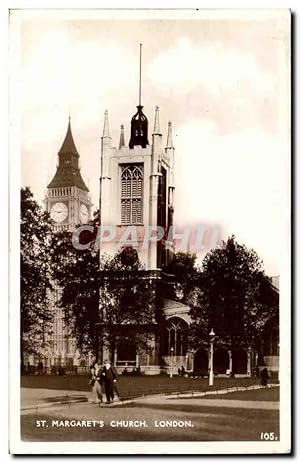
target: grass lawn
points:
(268, 395)
(131, 386)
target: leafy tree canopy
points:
(181, 277)
(36, 275)
(230, 298)
(104, 301)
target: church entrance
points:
(221, 361)
(239, 361)
(201, 361)
(126, 354)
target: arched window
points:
(132, 194)
(175, 336)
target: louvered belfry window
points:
(132, 193)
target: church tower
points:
(137, 202)
(137, 187)
(67, 199)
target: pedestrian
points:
(96, 382)
(264, 377)
(40, 368)
(109, 378)
(181, 371)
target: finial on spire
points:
(140, 85)
(170, 138)
(105, 125)
(122, 137)
(139, 122)
(156, 129)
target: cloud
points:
(67, 74)
(216, 67)
(237, 181)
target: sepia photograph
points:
(151, 220)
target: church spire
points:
(106, 125)
(122, 137)
(156, 151)
(170, 138)
(156, 129)
(68, 146)
(139, 122)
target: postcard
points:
(150, 219)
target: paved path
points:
(34, 399)
(31, 396)
(258, 405)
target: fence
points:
(56, 370)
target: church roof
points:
(68, 172)
(68, 146)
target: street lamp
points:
(211, 357)
(171, 371)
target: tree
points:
(36, 275)
(105, 301)
(127, 301)
(76, 273)
(180, 277)
(230, 298)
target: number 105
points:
(268, 436)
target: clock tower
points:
(68, 203)
(67, 199)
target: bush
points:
(57, 370)
(198, 374)
(61, 371)
(134, 372)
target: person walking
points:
(109, 378)
(96, 382)
(264, 377)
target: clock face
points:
(59, 212)
(84, 213)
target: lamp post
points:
(171, 371)
(211, 356)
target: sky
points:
(222, 82)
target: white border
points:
(16, 445)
